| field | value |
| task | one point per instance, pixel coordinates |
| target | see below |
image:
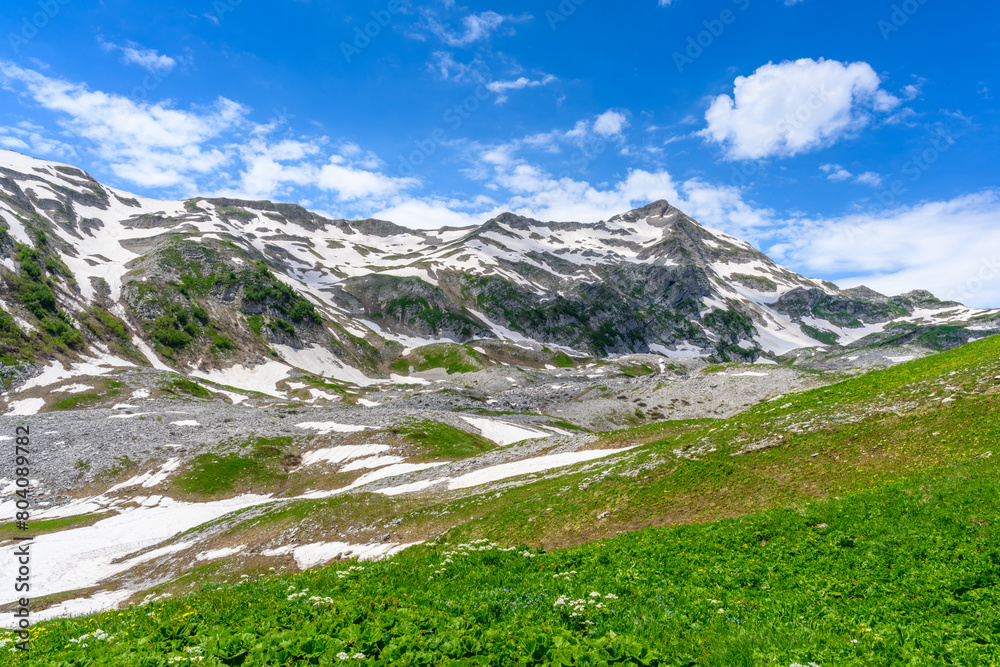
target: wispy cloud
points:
(502, 87)
(135, 54)
(473, 28)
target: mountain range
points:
(206, 284)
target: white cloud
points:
(795, 107)
(152, 145)
(475, 27)
(501, 87)
(947, 247)
(610, 124)
(135, 54)
(29, 138)
(352, 183)
(869, 178)
(272, 170)
(443, 64)
(157, 146)
(837, 173)
(434, 214)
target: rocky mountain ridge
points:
(208, 285)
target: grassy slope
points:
(906, 567)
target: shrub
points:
(283, 326)
(167, 332)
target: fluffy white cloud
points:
(352, 183)
(869, 178)
(135, 54)
(433, 214)
(795, 107)
(610, 124)
(273, 170)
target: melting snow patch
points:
(368, 404)
(83, 606)
(29, 406)
(343, 453)
(149, 479)
(185, 422)
(320, 360)
(220, 553)
(399, 379)
(263, 378)
(73, 388)
(372, 462)
(749, 374)
(503, 433)
(82, 557)
(310, 555)
(325, 428)
(235, 398)
(56, 372)
(412, 488)
(528, 466)
(392, 471)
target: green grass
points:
(907, 573)
(439, 440)
(215, 474)
(9, 531)
(825, 337)
(855, 524)
(187, 388)
(634, 370)
(562, 360)
(86, 399)
(452, 358)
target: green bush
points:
(38, 299)
(167, 331)
(256, 323)
(199, 314)
(223, 343)
(283, 326)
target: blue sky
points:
(854, 141)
